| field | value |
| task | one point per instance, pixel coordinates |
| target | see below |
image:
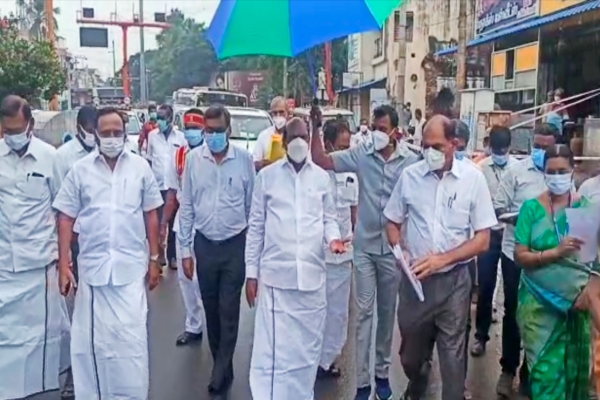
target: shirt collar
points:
(229, 155)
(456, 170)
(99, 156)
(401, 150)
(33, 149)
(308, 164)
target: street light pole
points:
(143, 94)
(114, 83)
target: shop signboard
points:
(496, 14)
(248, 83)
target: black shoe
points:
(478, 349)
(222, 395)
(188, 338)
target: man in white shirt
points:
(114, 198)
(32, 313)
(217, 184)
(162, 144)
(262, 149)
(494, 167)
(193, 122)
(67, 155)
(285, 268)
(522, 181)
(344, 190)
(363, 135)
(436, 204)
(418, 122)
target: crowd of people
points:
(315, 210)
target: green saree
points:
(556, 338)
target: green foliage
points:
(185, 58)
(28, 68)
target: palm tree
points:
(35, 18)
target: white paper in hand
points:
(416, 284)
(583, 225)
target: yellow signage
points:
(550, 6)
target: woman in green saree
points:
(551, 313)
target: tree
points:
(36, 18)
(28, 68)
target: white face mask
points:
(111, 147)
(17, 141)
(380, 140)
(89, 139)
(297, 150)
(364, 128)
(434, 158)
(279, 122)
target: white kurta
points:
(31, 323)
(109, 345)
(290, 326)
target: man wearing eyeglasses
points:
(269, 144)
(163, 142)
(113, 196)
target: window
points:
(509, 72)
(410, 22)
(378, 47)
(397, 26)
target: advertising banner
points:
(495, 14)
(248, 83)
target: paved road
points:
(182, 373)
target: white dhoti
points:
(288, 335)
(190, 291)
(32, 320)
(339, 280)
(109, 342)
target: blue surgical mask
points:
(162, 125)
(559, 184)
(216, 141)
(460, 154)
(18, 141)
(537, 156)
(152, 115)
(194, 137)
(500, 159)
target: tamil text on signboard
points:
(494, 14)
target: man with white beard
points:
(114, 197)
(285, 268)
(32, 314)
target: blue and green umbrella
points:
(289, 27)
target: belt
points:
(221, 242)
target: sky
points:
(102, 59)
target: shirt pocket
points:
(346, 192)
(131, 194)
(313, 202)
(234, 187)
(33, 187)
(458, 218)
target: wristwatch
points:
(154, 258)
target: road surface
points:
(182, 373)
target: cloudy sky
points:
(201, 10)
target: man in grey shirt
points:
(217, 185)
(378, 166)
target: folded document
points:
(416, 284)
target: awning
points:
(365, 85)
(529, 24)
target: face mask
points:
(279, 122)
(18, 141)
(500, 159)
(216, 141)
(559, 184)
(111, 147)
(162, 125)
(460, 154)
(434, 158)
(193, 136)
(152, 115)
(537, 156)
(89, 139)
(380, 140)
(363, 128)
(297, 150)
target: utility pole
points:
(461, 55)
(143, 93)
(285, 77)
(114, 54)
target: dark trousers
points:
(472, 265)
(74, 255)
(171, 255)
(221, 275)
